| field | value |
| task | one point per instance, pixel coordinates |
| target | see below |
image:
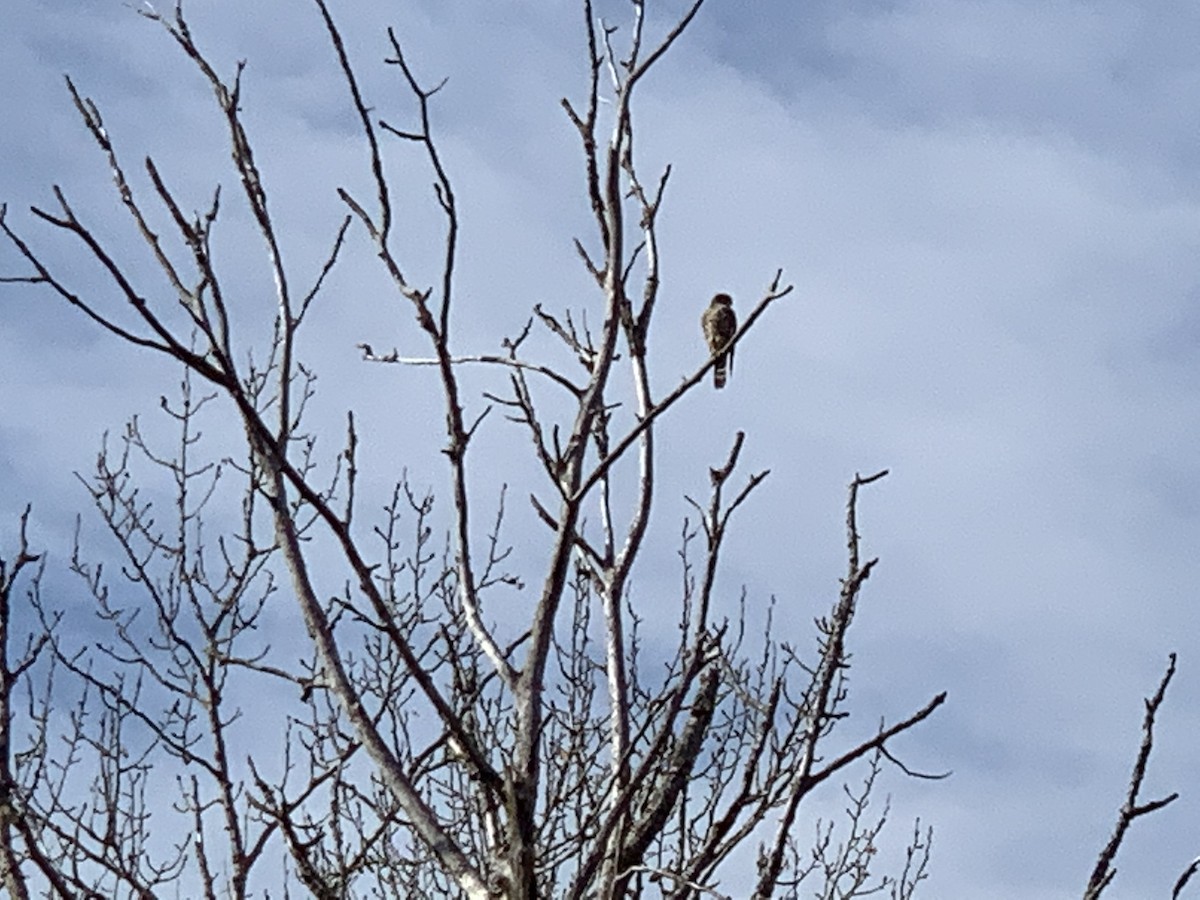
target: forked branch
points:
(1133, 808)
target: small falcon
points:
(720, 324)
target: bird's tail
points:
(719, 371)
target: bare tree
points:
(431, 744)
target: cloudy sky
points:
(990, 210)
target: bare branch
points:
(1131, 809)
(487, 359)
(1185, 878)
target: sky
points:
(990, 211)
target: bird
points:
(720, 324)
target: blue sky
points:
(991, 212)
